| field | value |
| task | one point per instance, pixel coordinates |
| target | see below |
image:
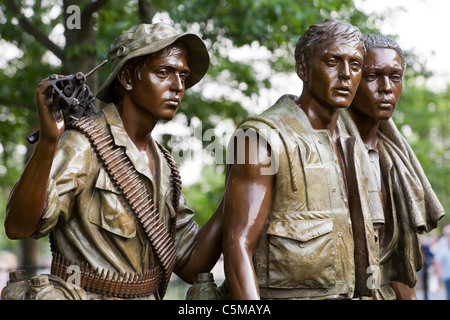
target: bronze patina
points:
(409, 204)
(105, 191)
(290, 232)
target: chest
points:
(151, 161)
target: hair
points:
(374, 41)
(322, 33)
(136, 65)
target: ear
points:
(301, 70)
(125, 79)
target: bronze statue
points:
(106, 192)
(409, 204)
(290, 231)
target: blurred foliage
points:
(423, 116)
(204, 196)
(226, 26)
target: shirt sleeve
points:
(186, 234)
(67, 179)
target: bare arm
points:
(27, 199)
(248, 199)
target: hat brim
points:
(198, 62)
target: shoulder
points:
(74, 139)
(75, 142)
(274, 116)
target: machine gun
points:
(75, 98)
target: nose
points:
(344, 72)
(386, 85)
(177, 83)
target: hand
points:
(50, 115)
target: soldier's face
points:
(381, 84)
(334, 73)
(162, 84)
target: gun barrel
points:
(96, 68)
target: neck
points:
(138, 126)
(367, 127)
(320, 116)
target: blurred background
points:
(251, 44)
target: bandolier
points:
(140, 201)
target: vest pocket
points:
(301, 254)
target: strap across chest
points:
(127, 179)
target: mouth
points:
(385, 104)
(173, 102)
(343, 90)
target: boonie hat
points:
(149, 38)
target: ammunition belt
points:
(127, 179)
(131, 285)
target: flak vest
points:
(307, 249)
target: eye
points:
(396, 77)
(183, 76)
(355, 66)
(370, 76)
(162, 73)
(332, 62)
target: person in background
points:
(442, 260)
